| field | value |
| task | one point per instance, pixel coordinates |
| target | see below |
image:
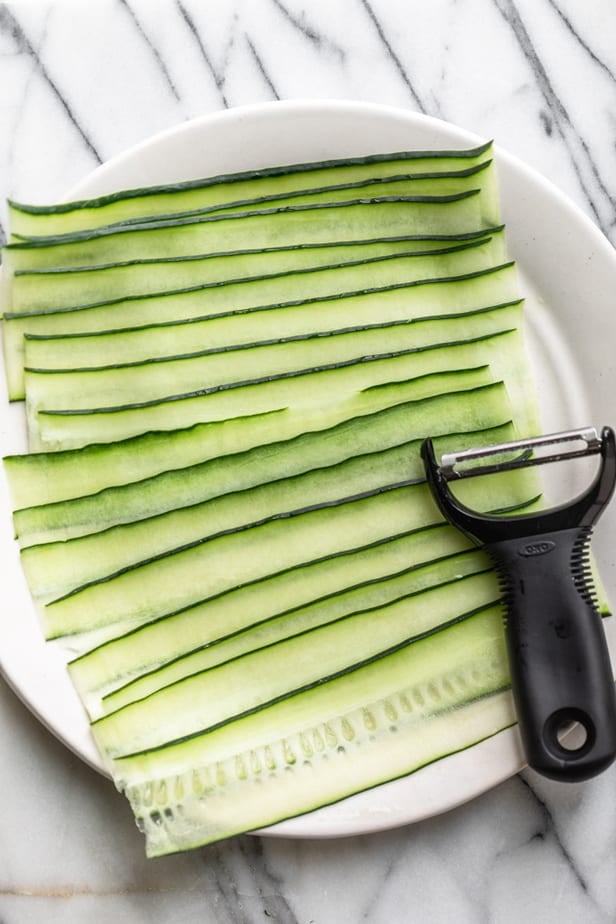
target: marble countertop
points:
(82, 80)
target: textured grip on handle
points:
(559, 661)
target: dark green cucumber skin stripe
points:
(450, 239)
(107, 231)
(220, 283)
(282, 170)
(378, 656)
(228, 386)
(290, 194)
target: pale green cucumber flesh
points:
(54, 568)
(207, 814)
(376, 723)
(259, 228)
(148, 201)
(208, 566)
(46, 289)
(136, 499)
(213, 369)
(282, 594)
(129, 344)
(178, 578)
(317, 591)
(367, 597)
(47, 477)
(361, 387)
(302, 225)
(261, 321)
(280, 284)
(414, 663)
(396, 185)
(224, 693)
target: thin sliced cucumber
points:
(300, 397)
(135, 500)
(215, 368)
(322, 584)
(244, 318)
(480, 178)
(145, 202)
(49, 477)
(57, 567)
(206, 567)
(125, 343)
(379, 722)
(415, 579)
(325, 584)
(181, 577)
(268, 227)
(58, 287)
(209, 698)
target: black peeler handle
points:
(558, 656)
(559, 661)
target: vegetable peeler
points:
(558, 657)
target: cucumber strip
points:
(54, 568)
(282, 286)
(414, 579)
(453, 411)
(247, 607)
(294, 289)
(143, 203)
(80, 352)
(214, 368)
(201, 569)
(210, 698)
(182, 576)
(481, 177)
(366, 386)
(378, 723)
(402, 676)
(58, 287)
(300, 396)
(244, 319)
(260, 228)
(268, 227)
(48, 477)
(319, 584)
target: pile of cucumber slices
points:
(223, 513)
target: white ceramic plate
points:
(568, 274)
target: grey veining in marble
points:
(81, 81)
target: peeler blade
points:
(521, 453)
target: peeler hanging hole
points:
(569, 733)
(572, 737)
